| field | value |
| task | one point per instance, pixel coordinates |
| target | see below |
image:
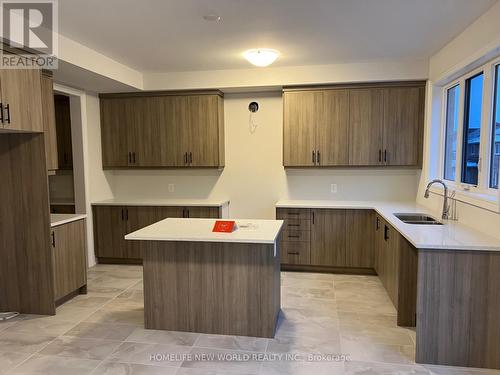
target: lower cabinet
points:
(336, 238)
(112, 223)
(396, 265)
(70, 258)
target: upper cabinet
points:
(363, 125)
(20, 100)
(162, 130)
(49, 122)
(315, 128)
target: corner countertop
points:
(450, 236)
(60, 219)
(200, 230)
(163, 202)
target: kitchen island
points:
(221, 283)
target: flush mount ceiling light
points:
(212, 18)
(261, 56)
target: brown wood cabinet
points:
(295, 249)
(21, 100)
(112, 223)
(49, 122)
(354, 125)
(70, 258)
(360, 249)
(315, 128)
(162, 130)
(328, 237)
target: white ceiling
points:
(171, 35)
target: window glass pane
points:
(495, 148)
(450, 147)
(472, 129)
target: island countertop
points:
(200, 230)
(450, 236)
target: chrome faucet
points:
(446, 206)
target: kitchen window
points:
(450, 154)
(470, 134)
(472, 129)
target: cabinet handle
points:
(123, 215)
(190, 157)
(53, 239)
(293, 236)
(187, 212)
(184, 212)
(318, 158)
(379, 155)
(126, 214)
(312, 216)
(1, 112)
(133, 157)
(385, 156)
(293, 253)
(185, 158)
(314, 157)
(377, 225)
(130, 157)
(7, 107)
(294, 225)
(386, 232)
(294, 213)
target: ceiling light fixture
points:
(261, 56)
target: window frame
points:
(495, 65)
(482, 189)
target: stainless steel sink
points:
(416, 218)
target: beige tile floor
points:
(330, 324)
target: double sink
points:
(416, 218)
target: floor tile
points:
(88, 301)
(9, 360)
(253, 344)
(67, 346)
(45, 326)
(365, 368)
(302, 368)
(307, 345)
(238, 362)
(366, 350)
(109, 314)
(105, 331)
(162, 337)
(39, 364)
(23, 342)
(73, 314)
(150, 354)
(117, 368)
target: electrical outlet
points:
(171, 188)
(333, 188)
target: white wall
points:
(479, 42)
(254, 177)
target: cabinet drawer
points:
(296, 236)
(295, 253)
(297, 224)
(293, 213)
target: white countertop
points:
(200, 230)
(59, 219)
(451, 236)
(163, 202)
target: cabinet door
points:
(70, 258)
(365, 126)
(49, 123)
(403, 116)
(203, 131)
(391, 262)
(63, 126)
(332, 129)
(301, 115)
(110, 228)
(328, 238)
(379, 244)
(144, 131)
(175, 131)
(360, 226)
(166, 212)
(116, 116)
(203, 212)
(22, 99)
(138, 217)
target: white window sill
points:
(481, 200)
